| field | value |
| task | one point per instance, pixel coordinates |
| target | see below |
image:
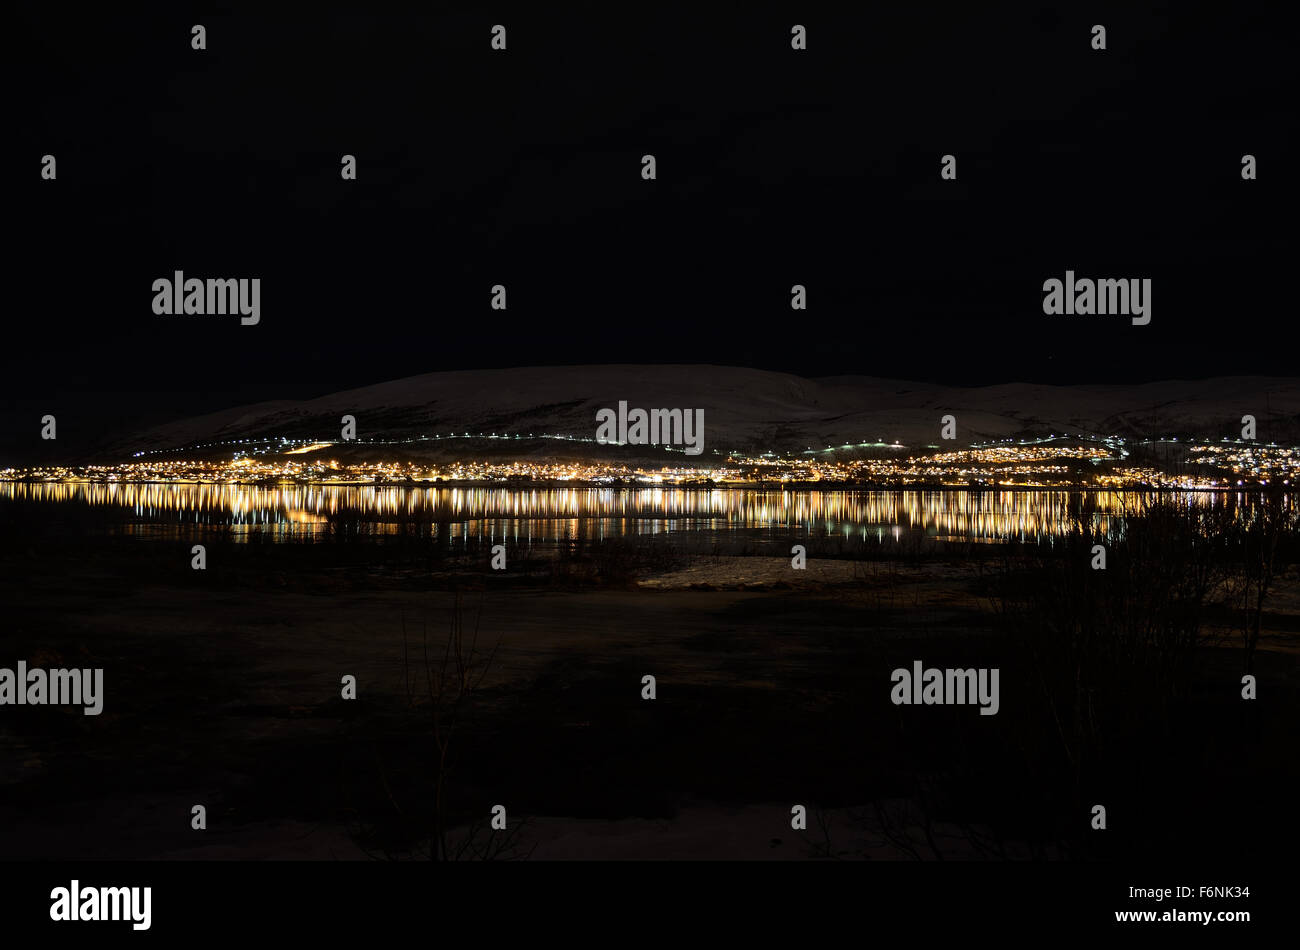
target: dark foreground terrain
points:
(223, 688)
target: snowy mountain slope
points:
(751, 409)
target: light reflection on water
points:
(302, 512)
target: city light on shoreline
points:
(1066, 463)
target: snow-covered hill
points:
(752, 409)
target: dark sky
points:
(775, 167)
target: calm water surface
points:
(538, 515)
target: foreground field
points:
(223, 688)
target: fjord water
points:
(294, 512)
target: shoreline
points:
(808, 486)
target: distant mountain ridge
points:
(750, 409)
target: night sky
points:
(522, 167)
